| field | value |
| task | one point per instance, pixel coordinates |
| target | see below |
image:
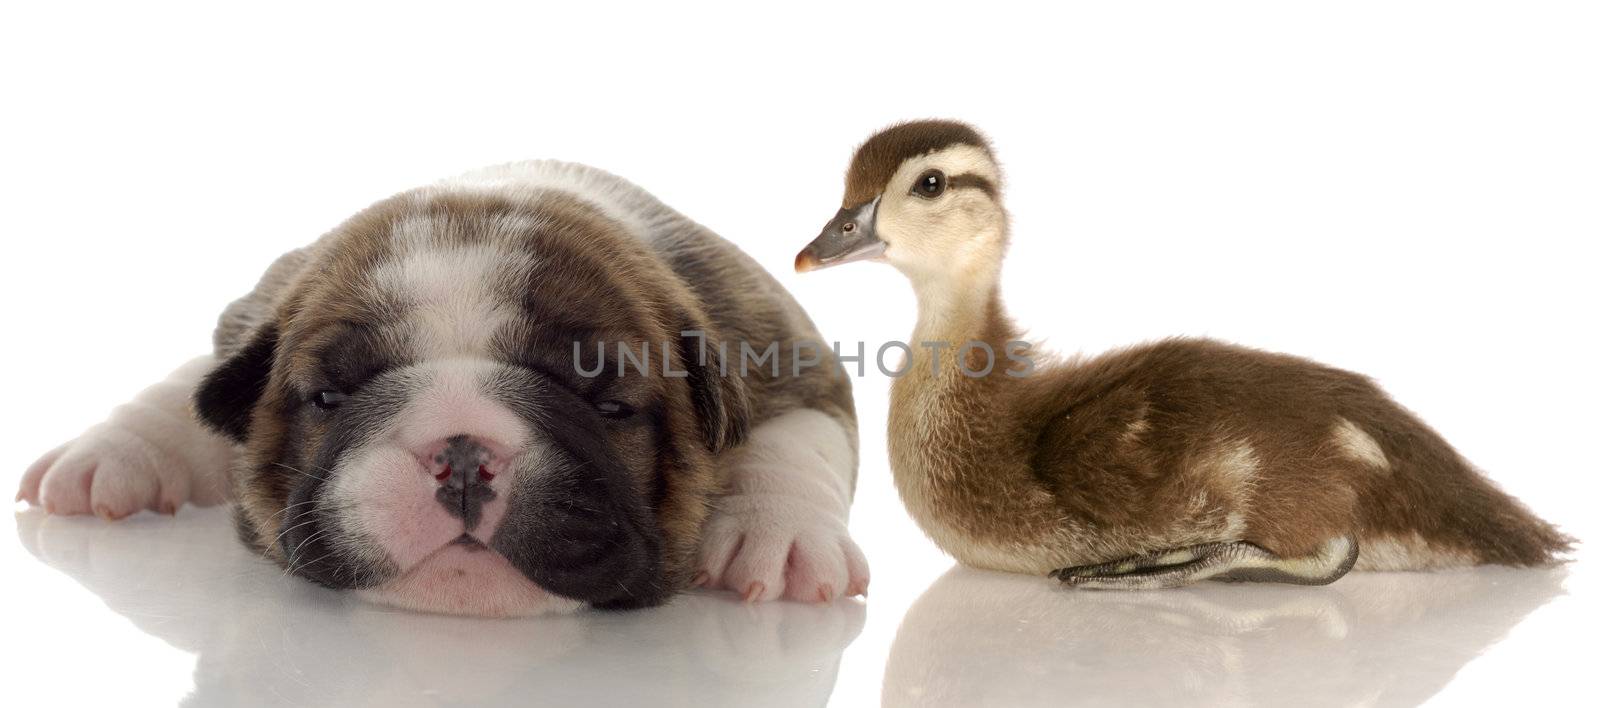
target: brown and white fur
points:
(397, 410)
(1153, 466)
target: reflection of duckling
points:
(1374, 639)
(1153, 466)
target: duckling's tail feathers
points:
(1433, 498)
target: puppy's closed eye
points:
(329, 399)
(352, 357)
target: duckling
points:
(1153, 466)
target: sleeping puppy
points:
(527, 389)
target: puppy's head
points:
(418, 428)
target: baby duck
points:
(1154, 466)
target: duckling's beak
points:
(851, 236)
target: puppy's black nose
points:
(464, 468)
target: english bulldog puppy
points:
(529, 389)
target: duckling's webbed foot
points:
(1239, 561)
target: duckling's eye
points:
(929, 185)
(614, 409)
(328, 400)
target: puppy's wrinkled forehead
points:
(454, 292)
(434, 276)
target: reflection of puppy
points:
(409, 415)
(1396, 638)
(260, 638)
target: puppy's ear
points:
(229, 393)
(718, 393)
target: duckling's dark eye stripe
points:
(975, 182)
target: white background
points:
(1409, 190)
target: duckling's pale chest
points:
(964, 482)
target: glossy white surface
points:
(1402, 189)
(180, 611)
(158, 611)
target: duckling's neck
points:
(954, 433)
(958, 312)
(961, 307)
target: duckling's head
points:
(923, 196)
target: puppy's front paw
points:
(769, 546)
(116, 468)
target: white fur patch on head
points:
(615, 197)
(455, 297)
(1357, 445)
